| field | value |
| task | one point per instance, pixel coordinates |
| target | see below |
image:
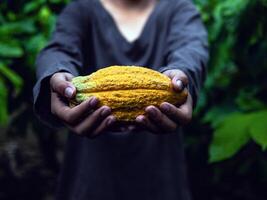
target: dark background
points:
(225, 143)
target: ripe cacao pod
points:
(127, 90)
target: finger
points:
(160, 119)
(107, 122)
(74, 115)
(57, 105)
(181, 115)
(71, 115)
(60, 83)
(86, 126)
(147, 124)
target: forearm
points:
(187, 46)
(64, 53)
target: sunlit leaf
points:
(229, 137)
(44, 15)
(258, 129)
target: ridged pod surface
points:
(127, 90)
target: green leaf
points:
(31, 6)
(2, 19)
(3, 103)
(247, 101)
(55, 1)
(217, 114)
(258, 128)
(10, 50)
(44, 15)
(12, 76)
(32, 46)
(230, 136)
(19, 27)
(35, 43)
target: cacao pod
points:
(127, 90)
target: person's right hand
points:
(84, 119)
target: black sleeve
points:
(187, 46)
(63, 53)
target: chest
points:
(129, 22)
(107, 45)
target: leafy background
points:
(225, 143)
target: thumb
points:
(60, 83)
(179, 80)
(178, 84)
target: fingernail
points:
(180, 84)
(165, 107)
(105, 112)
(69, 92)
(139, 119)
(93, 102)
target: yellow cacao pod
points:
(127, 90)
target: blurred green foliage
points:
(230, 122)
(234, 99)
(25, 28)
(29, 152)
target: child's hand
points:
(168, 117)
(84, 119)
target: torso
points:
(132, 165)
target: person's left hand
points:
(168, 117)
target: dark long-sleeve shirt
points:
(125, 166)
